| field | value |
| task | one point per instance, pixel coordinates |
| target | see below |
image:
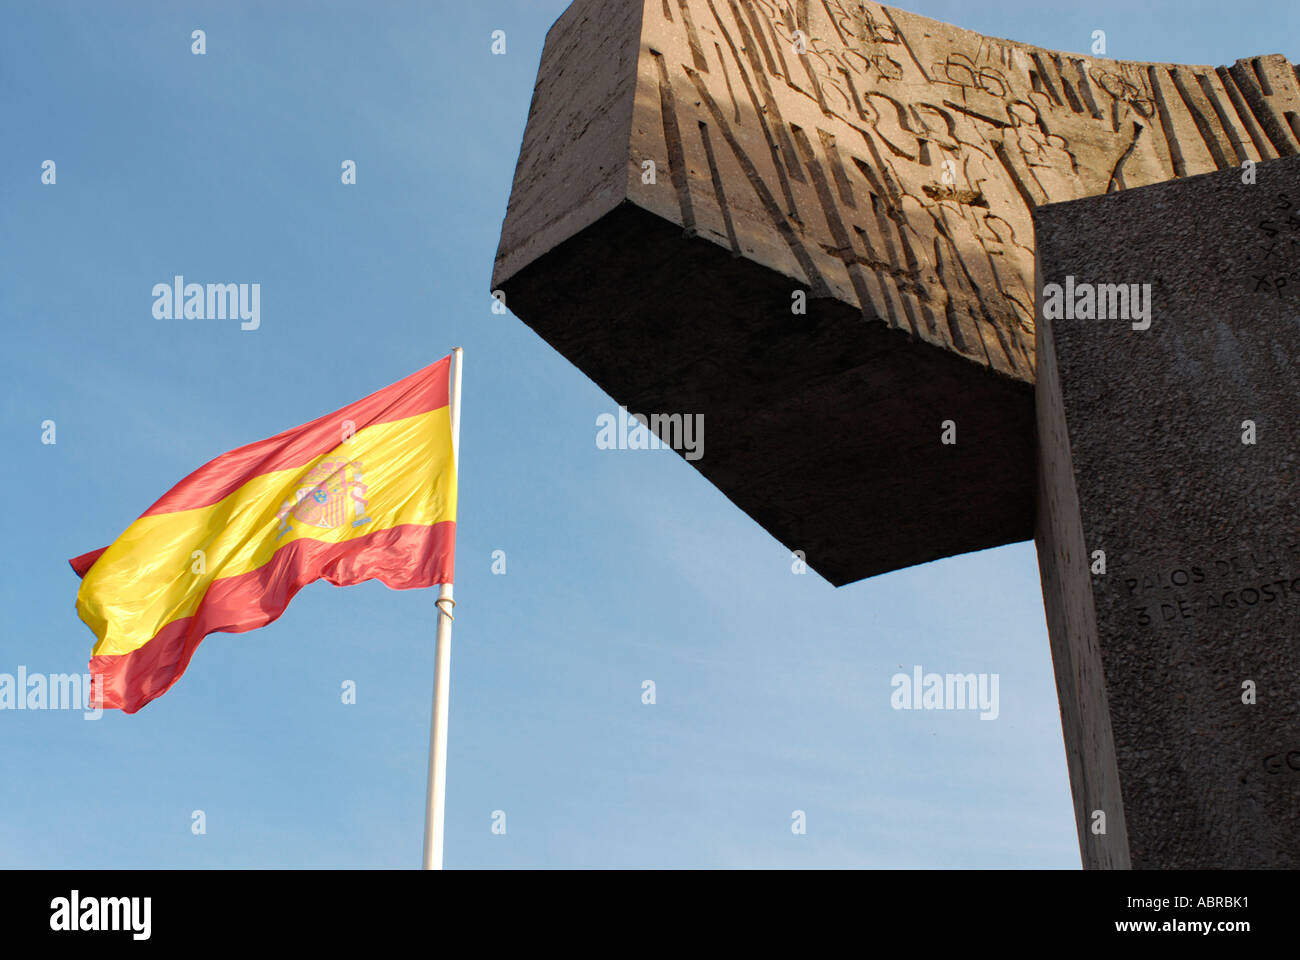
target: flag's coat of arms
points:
(329, 495)
(227, 548)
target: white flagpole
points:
(435, 799)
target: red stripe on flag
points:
(421, 392)
(82, 564)
(402, 558)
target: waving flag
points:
(365, 493)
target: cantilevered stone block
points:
(692, 167)
(1175, 451)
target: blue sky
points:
(622, 566)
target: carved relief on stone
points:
(892, 161)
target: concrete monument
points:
(813, 223)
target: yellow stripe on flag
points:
(146, 578)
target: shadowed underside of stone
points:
(689, 165)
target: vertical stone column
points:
(1168, 414)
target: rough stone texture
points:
(1141, 456)
(883, 162)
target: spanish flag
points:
(365, 493)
